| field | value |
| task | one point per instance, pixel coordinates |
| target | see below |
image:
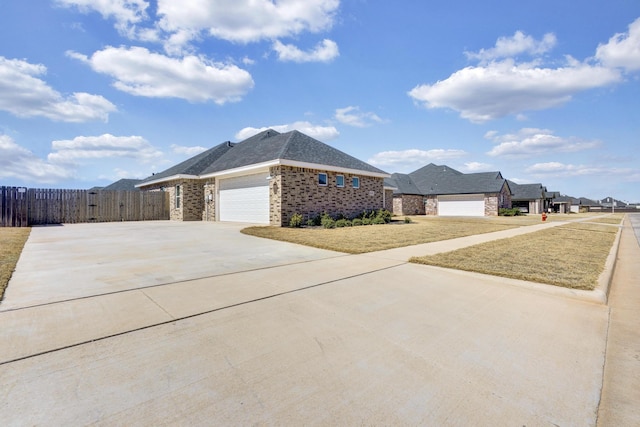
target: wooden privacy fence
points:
(22, 207)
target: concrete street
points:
(196, 324)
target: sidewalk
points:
(620, 400)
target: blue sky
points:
(92, 91)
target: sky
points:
(92, 91)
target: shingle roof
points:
(440, 179)
(526, 191)
(123, 184)
(270, 145)
(194, 165)
(266, 146)
(402, 183)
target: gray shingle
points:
(520, 192)
(441, 179)
(265, 146)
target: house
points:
(124, 184)
(443, 191)
(267, 178)
(529, 198)
(568, 204)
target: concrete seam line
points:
(173, 320)
(166, 284)
(604, 363)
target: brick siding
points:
(296, 190)
(408, 204)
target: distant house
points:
(267, 178)
(124, 184)
(443, 191)
(529, 198)
(566, 204)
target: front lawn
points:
(12, 241)
(371, 238)
(571, 255)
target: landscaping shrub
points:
(366, 221)
(311, 222)
(407, 220)
(378, 220)
(295, 221)
(327, 222)
(385, 215)
(343, 222)
(356, 222)
(509, 212)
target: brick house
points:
(443, 191)
(269, 177)
(530, 198)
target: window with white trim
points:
(339, 180)
(178, 196)
(322, 179)
(355, 182)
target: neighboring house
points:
(610, 203)
(567, 204)
(124, 184)
(529, 198)
(443, 191)
(267, 178)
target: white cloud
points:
(352, 116)
(24, 94)
(407, 160)
(140, 72)
(502, 88)
(623, 49)
(532, 141)
(477, 167)
(326, 51)
(18, 163)
(126, 13)
(321, 133)
(509, 47)
(105, 146)
(245, 21)
(189, 151)
(562, 170)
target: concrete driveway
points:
(193, 323)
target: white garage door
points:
(245, 199)
(461, 205)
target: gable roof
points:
(191, 167)
(123, 184)
(289, 148)
(265, 148)
(441, 179)
(527, 191)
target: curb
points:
(605, 278)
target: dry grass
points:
(370, 238)
(12, 241)
(571, 256)
(609, 219)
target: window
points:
(178, 196)
(339, 180)
(322, 179)
(355, 182)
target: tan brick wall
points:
(408, 204)
(431, 205)
(296, 190)
(496, 201)
(192, 199)
(209, 210)
(388, 200)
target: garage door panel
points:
(461, 205)
(245, 199)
